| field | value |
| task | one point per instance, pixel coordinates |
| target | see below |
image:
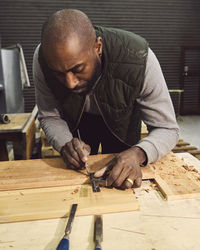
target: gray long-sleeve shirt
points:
(154, 101)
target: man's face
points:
(74, 65)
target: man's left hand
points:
(126, 171)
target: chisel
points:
(64, 243)
(98, 232)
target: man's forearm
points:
(158, 143)
(56, 131)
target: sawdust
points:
(153, 185)
(75, 191)
(190, 168)
(193, 171)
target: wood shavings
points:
(75, 191)
(153, 185)
(147, 190)
(190, 168)
(176, 184)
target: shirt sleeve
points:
(56, 129)
(157, 112)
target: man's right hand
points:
(75, 154)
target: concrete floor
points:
(190, 129)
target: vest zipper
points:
(107, 124)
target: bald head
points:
(66, 24)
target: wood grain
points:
(55, 202)
(50, 172)
(176, 179)
(29, 140)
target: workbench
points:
(21, 129)
(158, 224)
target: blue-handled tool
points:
(64, 243)
(98, 232)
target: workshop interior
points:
(57, 209)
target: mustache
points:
(81, 86)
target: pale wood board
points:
(55, 202)
(176, 180)
(144, 130)
(157, 225)
(29, 139)
(17, 122)
(50, 172)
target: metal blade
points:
(98, 230)
(70, 220)
(95, 186)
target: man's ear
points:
(99, 45)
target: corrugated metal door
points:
(166, 24)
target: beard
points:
(88, 86)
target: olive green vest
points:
(124, 63)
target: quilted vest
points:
(124, 62)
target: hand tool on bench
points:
(64, 243)
(101, 181)
(98, 232)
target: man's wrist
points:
(142, 156)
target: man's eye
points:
(78, 70)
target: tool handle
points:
(63, 245)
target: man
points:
(102, 82)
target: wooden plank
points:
(184, 148)
(55, 202)
(176, 179)
(169, 224)
(189, 160)
(182, 143)
(29, 140)
(194, 152)
(17, 123)
(144, 130)
(197, 156)
(50, 172)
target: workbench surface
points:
(159, 224)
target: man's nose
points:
(71, 80)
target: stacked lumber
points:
(182, 146)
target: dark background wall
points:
(166, 24)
